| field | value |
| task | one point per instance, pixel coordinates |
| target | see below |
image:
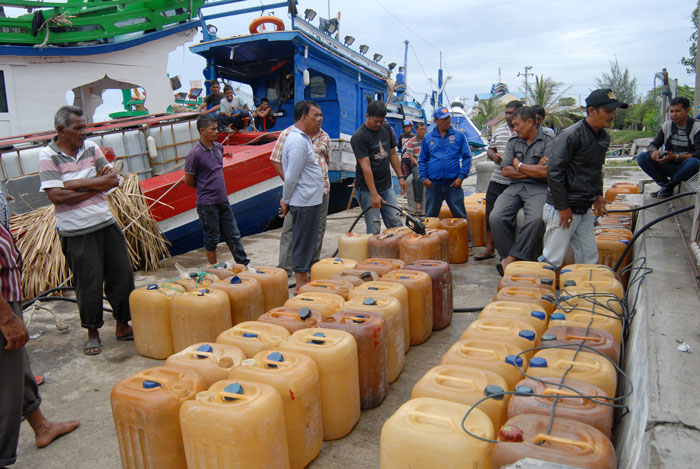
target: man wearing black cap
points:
(575, 180)
(444, 163)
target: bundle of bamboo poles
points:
(44, 265)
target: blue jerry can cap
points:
(403, 277)
(538, 362)
(369, 302)
(204, 348)
(514, 360)
(152, 286)
(523, 390)
(557, 316)
(338, 259)
(318, 342)
(547, 281)
(233, 388)
(363, 316)
(548, 337)
(539, 315)
(527, 334)
(624, 241)
(570, 283)
(235, 280)
(150, 384)
(250, 334)
(564, 271)
(304, 313)
(372, 288)
(494, 392)
(549, 297)
(275, 357)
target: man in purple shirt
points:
(204, 172)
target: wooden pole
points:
(696, 107)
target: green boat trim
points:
(89, 22)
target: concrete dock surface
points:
(78, 386)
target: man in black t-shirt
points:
(211, 102)
(374, 145)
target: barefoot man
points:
(19, 394)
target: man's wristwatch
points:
(677, 159)
(402, 177)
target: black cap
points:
(604, 97)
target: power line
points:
(405, 25)
(420, 64)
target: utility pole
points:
(526, 74)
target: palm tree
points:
(547, 93)
(486, 110)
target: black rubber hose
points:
(357, 220)
(70, 300)
(644, 228)
(654, 204)
(43, 294)
(468, 310)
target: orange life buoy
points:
(253, 28)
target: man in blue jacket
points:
(443, 164)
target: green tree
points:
(689, 62)
(624, 87)
(645, 114)
(568, 101)
(620, 82)
(486, 110)
(548, 93)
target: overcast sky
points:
(569, 41)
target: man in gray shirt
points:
(525, 163)
(302, 192)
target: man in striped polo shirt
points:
(19, 393)
(75, 176)
(498, 182)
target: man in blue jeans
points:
(204, 172)
(374, 146)
(444, 163)
(680, 138)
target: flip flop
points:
(39, 380)
(92, 344)
(483, 256)
(129, 336)
(499, 268)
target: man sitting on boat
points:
(374, 146)
(75, 176)
(233, 111)
(204, 171)
(302, 193)
(210, 105)
(444, 163)
(680, 138)
(264, 120)
(525, 163)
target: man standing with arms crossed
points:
(75, 176)
(322, 146)
(302, 193)
(374, 145)
(498, 181)
(575, 180)
(444, 163)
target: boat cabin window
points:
(317, 87)
(3, 94)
